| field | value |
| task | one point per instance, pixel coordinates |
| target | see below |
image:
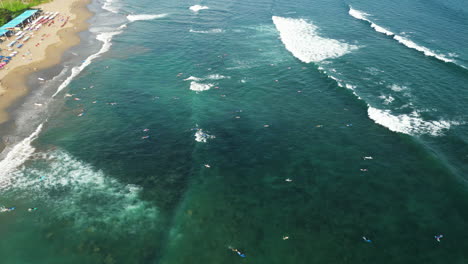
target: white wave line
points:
(408, 43)
(106, 38)
(16, 156)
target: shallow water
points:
(261, 92)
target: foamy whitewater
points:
(209, 77)
(408, 43)
(201, 136)
(110, 5)
(411, 124)
(16, 156)
(199, 87)
(302, 40)
(106, 38)
(132, 18)
(196, 8)
(119, 206)
(243, 129)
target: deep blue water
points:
(286, 130)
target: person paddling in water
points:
(238, 252)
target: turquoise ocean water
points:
(180, 129)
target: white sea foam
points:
(209, 77)
(411, 124)
(16, 156)
(109, 5)
(199, 87)
(410, 44)
(302, 40)
(211, 31)
(201, 136)
(132, 18)
(363, 16)
(387, 99)
(397, 88)
(405, 41)
(193, 78)
(72, 188)
(106, 38)
(196, 8)
(216, 77)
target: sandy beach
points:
(43, 50)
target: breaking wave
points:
(303, 41)
(16, 156)
(408, 43)
(71, 188)
(411, 124)
(196, 8)
(106, 38)
(109, 6)
(199, 87)
(132, 18)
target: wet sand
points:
(53, 42)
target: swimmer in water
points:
(438, 237)
(363, 169)
(207, 166)
(367, 158)
(32, 209)
(288, 180)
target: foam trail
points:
(132, 18)
(302, 40)
(17, 156)
(106, 38)
(196, 8)
(408, 43)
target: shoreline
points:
(14, 81)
